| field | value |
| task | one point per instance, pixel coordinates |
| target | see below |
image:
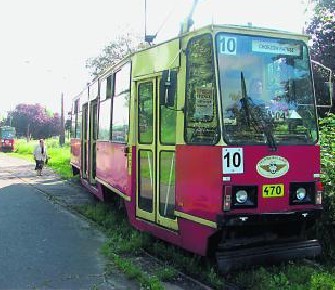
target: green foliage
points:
(134, 272)
(166, 273)
(23, 147)
(322, 30)
(327, 145)
(322, 281)
(285, 277)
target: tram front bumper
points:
(233, 220)
(266, 254)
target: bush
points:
(327, 146)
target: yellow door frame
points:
(155, 147)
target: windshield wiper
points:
(255, 116)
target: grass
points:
(125, 244)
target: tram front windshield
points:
(266, 90)
(7, 133)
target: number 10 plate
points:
(272, 191)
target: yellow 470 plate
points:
(273, 190)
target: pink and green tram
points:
(198, 161)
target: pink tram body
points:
(173, 132)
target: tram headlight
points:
(244, 196)
(301, 193)
(241, 196)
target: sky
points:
(45, 43)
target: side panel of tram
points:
(165, 156)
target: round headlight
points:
(301, 193)
(241, 196)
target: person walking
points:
(40, 156)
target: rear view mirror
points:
(167, 88)
(323, 85)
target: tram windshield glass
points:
(8, 132)
(266, 90)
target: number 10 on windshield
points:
(232, 159)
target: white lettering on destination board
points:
(277, 48)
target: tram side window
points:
(93, 90)
(102, 89)
(78, 125)
(201, 124)
(73, 124)
(168, 118)
(106, 88)
(104, 120)
(145, 113)
(121, 100)
(110, 86)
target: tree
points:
(33, 120)
(115, 51)
(322, 30)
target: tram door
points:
(88, 146)
(155, 157)
(84, 141)
(92, 140)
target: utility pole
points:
(62, 128)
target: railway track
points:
(183, 280)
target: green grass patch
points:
(287, 276)
(124, 244)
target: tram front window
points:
(7, 133)
(266, 90)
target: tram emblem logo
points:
(272, 166)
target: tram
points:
(199, 160)
(7, 138)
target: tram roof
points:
(214, 28)
(239, 29)
(171, 45)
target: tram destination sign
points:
(276, 48)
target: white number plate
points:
(232, 160)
